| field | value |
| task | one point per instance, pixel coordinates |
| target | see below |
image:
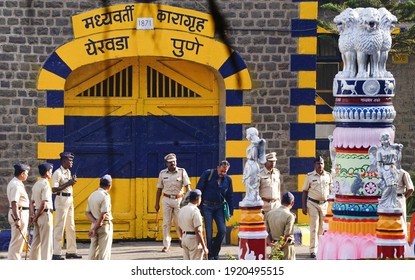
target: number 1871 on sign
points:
(145, 24)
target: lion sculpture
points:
(365, 41)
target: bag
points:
(226, 211)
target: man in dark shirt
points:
(216, 187)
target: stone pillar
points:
(252, 234)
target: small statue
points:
(388, 163)
(255, 154)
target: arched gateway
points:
(137, 82)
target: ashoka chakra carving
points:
(371, 87)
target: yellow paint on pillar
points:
(306, 148)
(236, 148)
(324, 118)
(239, 81)
(50, 116)
(49, 150)
(306, 114)
(308, 10)
(238, 115)
(307, 79)
(50, 81)
(237, 184)
(301, 179)
(307, 45)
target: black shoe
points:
(313, 255)
(73, 256)
(57, 257)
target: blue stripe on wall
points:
(302, 96)
(232, 65)
(234, 132)
(302, 131)
(322, 144)
(305, 62)
(234, 98)
(303, 28)
(57, 66)
(301, 165)
(55, 98)
(55, 133)
(236, 166)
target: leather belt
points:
(21, 208)
(190, 232)
(400, 194)
(172, 196)
(207, 202)
(317, 201)
(63, 194)
(269, 199)
(47, 210)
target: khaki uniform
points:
(190, 219)
(42, 234)
(17, 192)
(101, 244)
(404, 184)
(172, 184)
(269, 188)
(64, 215)
(318, 187)
(280, 222)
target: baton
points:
(21, 233)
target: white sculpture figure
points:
(387, 24)
(346, 23)
(369, 40)
(255, 153)
(388, 159)
(332, 150)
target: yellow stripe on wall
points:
(306, 114)
(307, 45)
(50, 150)
(308, 10)
(236, 148)
(238, 115)
(307, 79)
(51, 116)
(50, 81)
(325, 118)
(306, 148)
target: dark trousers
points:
(210, 213)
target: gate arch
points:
(77, 115)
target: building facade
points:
(125, 84)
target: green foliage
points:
(230, 257)
(276, 251)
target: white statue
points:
(346, 23)
(365, 41)
(387, 24)
(255, 154)
(388, 163)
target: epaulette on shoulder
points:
(310, 173)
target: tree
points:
(402, 42)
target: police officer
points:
(41, 208)
(404, 191)
(269, 186)
(191, 228)
(98, 211)
(316, 188)
(170, 182)
(18, 210)
(62, 185)
(280, 223)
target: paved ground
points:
(151, 250)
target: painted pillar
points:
(390, 237)
(252, 234)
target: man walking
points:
(269, 184)
(191, 228)
(62, 185)
(316, 189)
(41, 208)
(216, 187)
(98, 211)
(171, 182)
(18, 211)
(280, 224)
